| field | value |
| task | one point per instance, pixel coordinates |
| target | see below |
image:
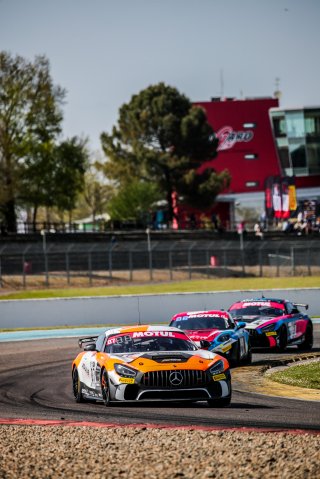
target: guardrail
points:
(133, 309)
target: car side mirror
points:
(90, 347)
(204, 344)
(241, 324)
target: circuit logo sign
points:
(228, 137)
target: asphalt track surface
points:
(35, 380)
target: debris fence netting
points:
(87, 264)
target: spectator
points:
(257, 230)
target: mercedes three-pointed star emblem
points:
(175, 378)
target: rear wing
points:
(302, 305)
(89, 340)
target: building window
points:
(249, 125)
(295, 124)
(279, 124)
(312, 124)
(313, 158)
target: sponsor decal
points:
(224, 349)
(292, 328)
(127, 338)
(85, 368)
(271, 333)
(228, 137)
(256, 303)
(219, 377)
(126, 380)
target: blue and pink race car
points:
(274, 323)
(216, 331)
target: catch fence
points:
(83, 264)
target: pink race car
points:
(274, 323)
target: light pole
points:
(44, 244)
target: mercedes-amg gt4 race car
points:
(274, 323)
(216, 331)
(149, 363)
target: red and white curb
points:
(42, 422)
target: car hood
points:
(199, 334)
(165, 356)
(260, 322)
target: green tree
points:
(161, 137)
(96, 193)
(53, 175)
(30, 120)
(133, 201)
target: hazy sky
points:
(104, 51)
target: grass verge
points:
(217, 284)
(302, 375)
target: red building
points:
(258, 140)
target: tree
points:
(53, 175)
(30, 120)
(133, 201)
(161, 137)
(96, 193)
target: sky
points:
(104, 51)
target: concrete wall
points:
(132, 309)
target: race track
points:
(35, 381)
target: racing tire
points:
(105, 388)
(248, 359)
(283, 339)
(76, 386)
(307, 343)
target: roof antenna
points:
(139, 323)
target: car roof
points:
(141, 328)
(262, 300)
(209, 312)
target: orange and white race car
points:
(149, 363)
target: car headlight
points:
(125, 371)
(217, 368)
(268, 328)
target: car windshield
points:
(137, 342)
(193, 323)
(250, 313)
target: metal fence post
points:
(149, 253)
(111, 247)
(292, 261)
(170, 260)
(130, 265)
(190, 260)
(90, 263)
(68, 267)
(309, 265)
(260, 263)
(90, 268)
(24, 271)
(224, 263)
(170, 265)
(1, 272)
